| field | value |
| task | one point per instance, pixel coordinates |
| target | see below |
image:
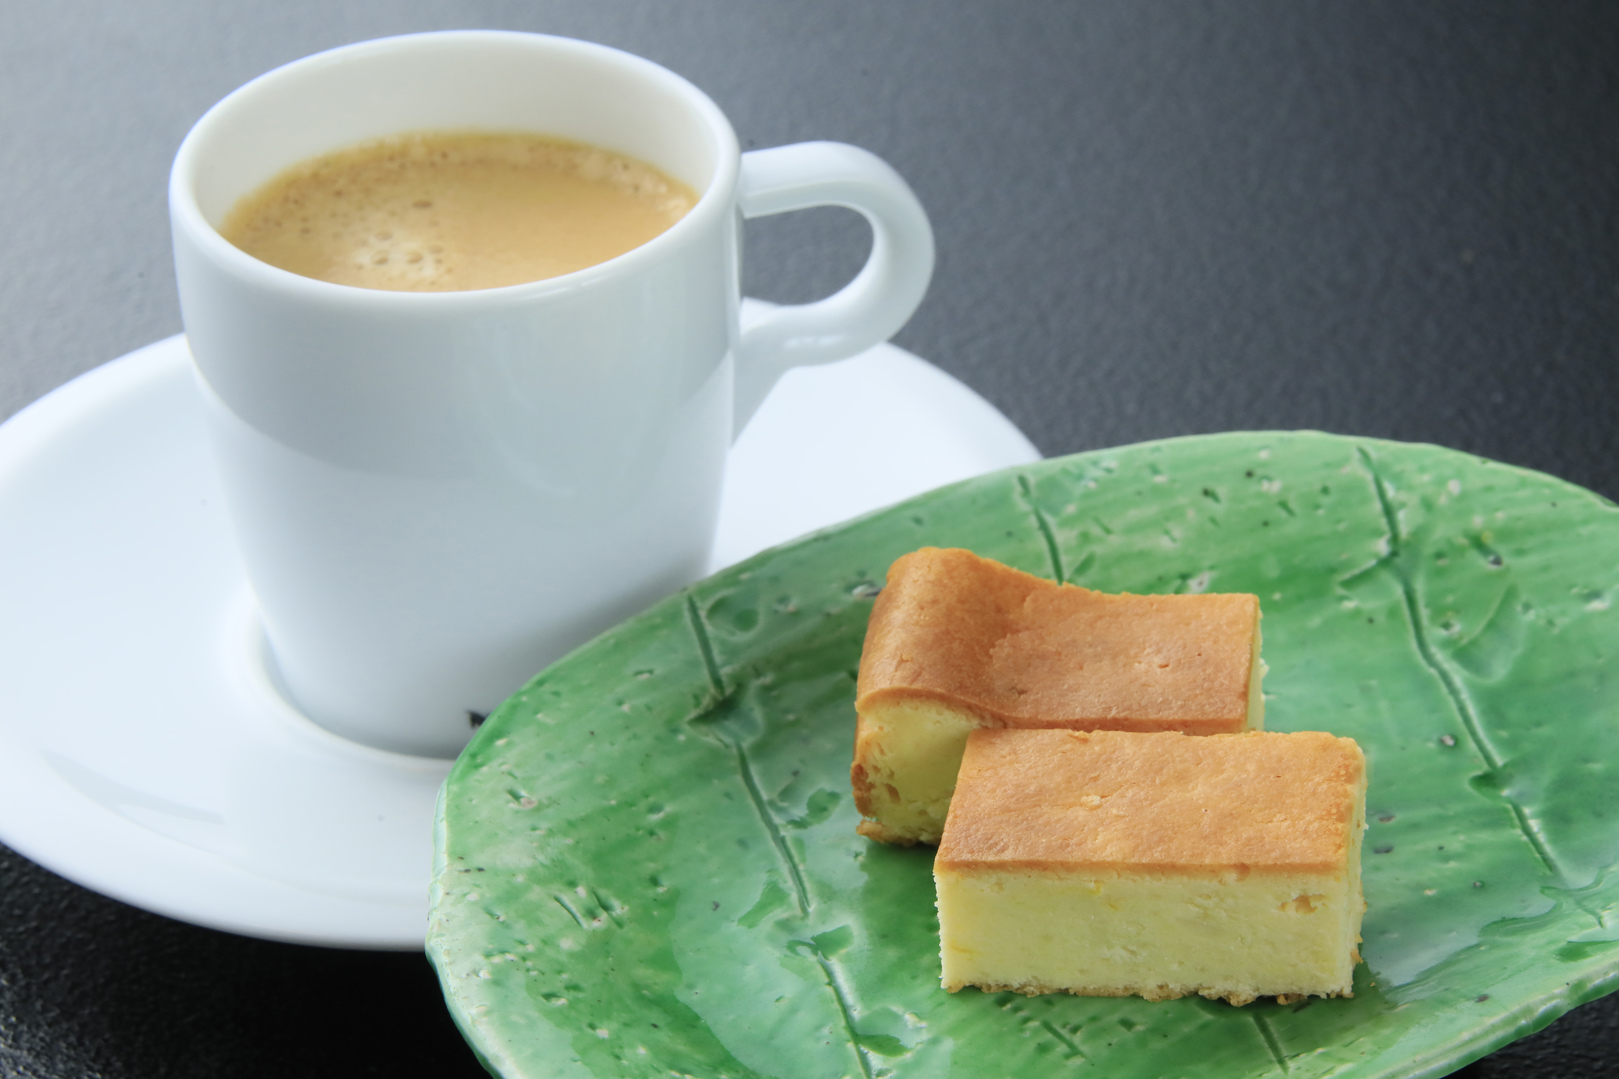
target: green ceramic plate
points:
(647, 862)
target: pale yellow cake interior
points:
(1155, 935)
(912, 750)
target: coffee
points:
(451, 211)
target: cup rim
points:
(186, 214)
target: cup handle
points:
(866, 311)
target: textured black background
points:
(1153, 219)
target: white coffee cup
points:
(436, 494)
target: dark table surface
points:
(1387, 219)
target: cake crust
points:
(1022, 651)
(1062, 800)
(1153, 993)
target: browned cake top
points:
(1064, 800)
(968, 630)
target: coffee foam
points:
(451, 211)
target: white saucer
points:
(143, 750)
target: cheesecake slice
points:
(957, 642)
(1108, 863)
